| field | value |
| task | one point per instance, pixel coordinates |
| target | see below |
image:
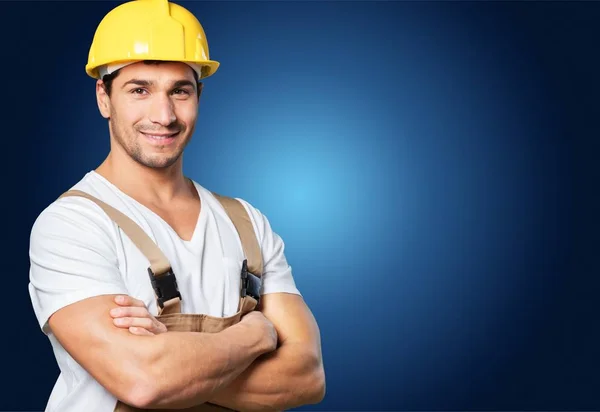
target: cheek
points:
(128, 116)
(186, 112)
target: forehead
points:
(156, 72)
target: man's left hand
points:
(133, 315)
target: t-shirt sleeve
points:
(277, 273)
(72, 257)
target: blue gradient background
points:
(431, 166)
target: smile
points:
(160, 138)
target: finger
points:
(125, 300)
(130, 311)
(151, 325)
(140, 331)
(145, 323)
(159, 327)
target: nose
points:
(162, 111)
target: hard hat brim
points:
(209, 67)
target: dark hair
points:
(108, 78)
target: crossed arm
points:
(288, 377)
(236, 368)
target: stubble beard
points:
(129, 141)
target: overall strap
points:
(160, 272)
(252, 267)
(241, 220)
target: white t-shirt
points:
(77, 252)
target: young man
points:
(94, 281)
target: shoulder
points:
(269, 240)
(259, 220)
(72, 216)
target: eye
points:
(139, 90)
(183, 92)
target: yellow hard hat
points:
(149, 30)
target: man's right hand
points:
(257, 321)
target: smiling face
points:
(152, 111)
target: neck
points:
(145, 184)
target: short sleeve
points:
(277, 273)
(72, 257)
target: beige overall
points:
(165, 286)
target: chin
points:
(158, 162)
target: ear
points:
(200, 87)
(102, 99)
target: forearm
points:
(284, 379)
(186, 368)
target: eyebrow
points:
(147, 83)
(183, 83)
(137, 82)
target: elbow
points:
(145, 392)
(139, 386)
(307, 386)
(316, 386)
(148, 387)
(139, 393)
(313, 381)
(146, 395)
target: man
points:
(99, 284)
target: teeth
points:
(158, 137)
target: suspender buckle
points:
(251, 283)
(165, 286)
